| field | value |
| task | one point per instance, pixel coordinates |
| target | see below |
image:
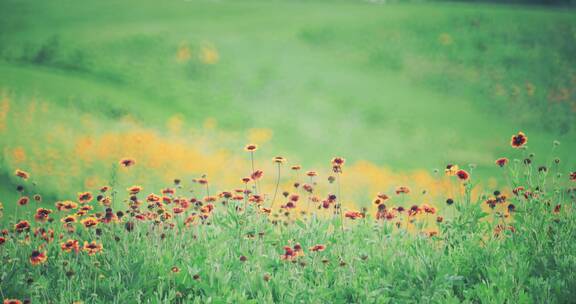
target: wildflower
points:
(23, 201)
(463, 175)
(257, 175)
(402, 189)
(502, 161)
(38, 257)
(311, 173)
(70, 245)
(439, 219)
(251, 147)
(22, 226)
(2, 240)
(518, 140)
(243, 258)
(573, 176)
(296, 167)
(134, 190)
(175, 269)
(85, 197)
(338, 161)
(12, 301)
(92, 247)
(66, 205)
(37, 197)
(127, 162)
(89, 222)
(289, 253)
(354, 215)
(317, 248)
(22, 174)
(451, 169)
(68, 219)
(42, 214)
(428, 209)
(279, 160)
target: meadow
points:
(131, 120)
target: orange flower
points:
(92, 247)
(402, 189)
(70, 245)
(134, 190)
(317, 248)
(21, 226)
(37, 257)
(337, 163)
(257, 175)
(518, 140)
(12, 301)
(502, 161)
(354, 215)
(311, 173)
(127, 162)
(66, 205)
(89, 222)
(451, 169)
(85, 197)
(279, 160)
(251, 147)
(463, 175)
(23, 201)
(42, 214)
(68, 219)
(22, 174)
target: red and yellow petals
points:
(502, 161)
(89, 222)
(70, 245)
(463, 175)
(92, 248)
(38, 257)
(22, 174)
(127, 162)
(518, 140)
(251, 147)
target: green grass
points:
(317, 74)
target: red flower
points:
(127, 162)
(573, 176)
(501, 161)
(23, 201)
(257, 175)
(463, 175)
(518, 140)
(402, 189)
(22, 174)
(21, 226)
(70, 245)
(37, 257)
(317, 248)
(84, 197)
(354, 215)
(251, 147)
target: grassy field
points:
(398, 90)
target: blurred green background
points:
(401, 85)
